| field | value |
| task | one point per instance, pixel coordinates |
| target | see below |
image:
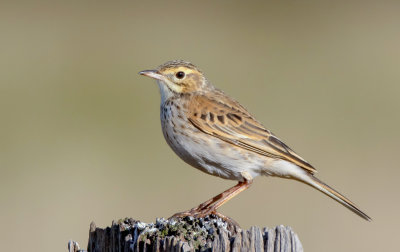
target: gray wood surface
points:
(188, 234)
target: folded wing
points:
(227, 120)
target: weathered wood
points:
(189, 234)
(73, 246)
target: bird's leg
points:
(210, 206)
(229, 194)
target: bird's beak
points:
(152, 74)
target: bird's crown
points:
(173, 64)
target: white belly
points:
(208, 153)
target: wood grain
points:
(189, 234)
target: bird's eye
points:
(180, 75)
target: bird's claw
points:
(202, 213)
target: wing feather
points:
(226, 119)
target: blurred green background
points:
(80, 136)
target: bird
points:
(214, 133)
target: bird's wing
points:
(227, 120)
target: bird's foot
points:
(196, 212)
(202, 213)
(227, 219)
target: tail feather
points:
(321, 186)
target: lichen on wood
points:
(190, 234)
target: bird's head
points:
(177, 77)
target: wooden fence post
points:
(188, 234)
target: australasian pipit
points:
(214, 133)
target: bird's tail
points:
(321, 186)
